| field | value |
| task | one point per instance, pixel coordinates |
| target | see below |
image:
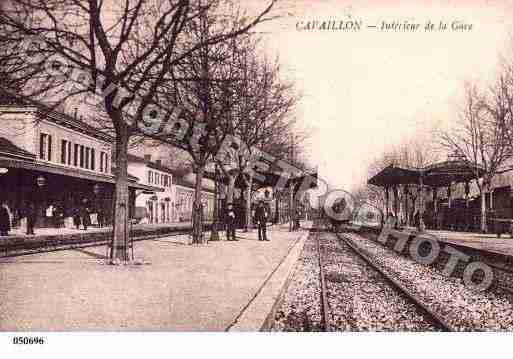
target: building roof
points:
(188, 181)
(45, 112)
(9, 149)
(151, 164)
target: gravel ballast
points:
(464, 308)
(359, 298)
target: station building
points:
(51, 159)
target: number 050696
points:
(28, 340)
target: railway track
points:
(438, 322)
(325, 323)
(503, 281)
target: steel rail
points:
(437, 320)
(324, 296)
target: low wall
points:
(13, 245)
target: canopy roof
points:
(436, 175)
(274, 174)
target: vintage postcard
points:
(276, 166)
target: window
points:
(81, 156)
(93, 160)
(157, 178)
(150, 179)
(106, 169)
(149, 176)
(102, 161)
(64, 151)
(69, 153)
(75, 159)
(87, 156)
(45, 147)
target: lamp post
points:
(41, 181)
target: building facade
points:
(184, 197)
(158, 207)
(174, 202)
(57, 163)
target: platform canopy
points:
(273, 174)
(436, 175)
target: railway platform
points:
(218, 286)
(488, 242)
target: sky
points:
(365, 90)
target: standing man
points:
(230, 223)
(5, 221)
(261, 219)
(84, 214)
(100, 217)
(31, 218)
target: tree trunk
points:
(231, 188)
(214, 231)
(484, 227)
(248, 204)
(119, 248)
(197, 208)
(291, 208)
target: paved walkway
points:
(42, 232)
(180, 287)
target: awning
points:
(443, 173)
(436, 175)
(76, 173)
(395, 175)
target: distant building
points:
(173, 203)
(184, 197)
(157, 207)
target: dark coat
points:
(84, 214)
(231, 216)
(76, 217)
(261, 214)
(30, 212)
(5, 223)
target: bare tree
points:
(123, 51)
(480, 136)
(263, 118)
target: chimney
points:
(159, 162)
(147, 158)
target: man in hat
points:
(230, 222)
(261, 216)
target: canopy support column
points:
(386, 203)
(396, 204)
(422, 226)
(449, 195)
(467, 198)
(406, 193)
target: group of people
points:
(261, 215)
(81, 216)
(6, 218)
